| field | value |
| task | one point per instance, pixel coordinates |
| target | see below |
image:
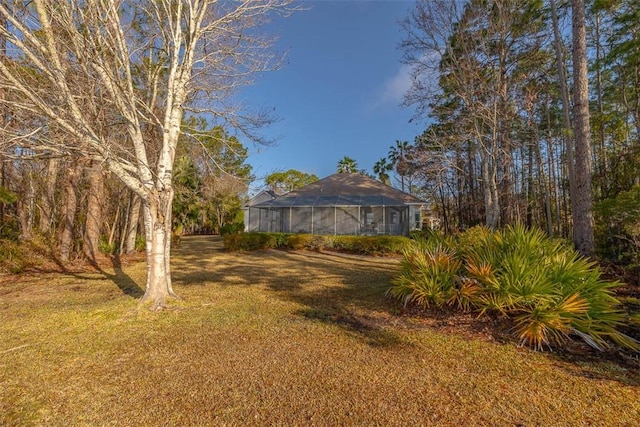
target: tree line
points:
(533, 114)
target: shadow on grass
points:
(372, 335)
(340, 291)
(121, 279)
(349, 293)
(126, 284)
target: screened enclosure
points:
(366, 215)
(340, 204)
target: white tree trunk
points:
(157, 216)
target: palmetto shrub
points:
(545, 287)
(429, 275)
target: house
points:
(340, 204)
(252, 223)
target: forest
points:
(506, 143)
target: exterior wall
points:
(250, 217)
(415, 217)
(346, 220)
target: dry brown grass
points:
(276, 338)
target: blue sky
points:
(339, 91)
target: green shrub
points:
(299, 241)
(141, 243)
(13, 258)
(232, 228)
(546, 288)
(364, 245)
(250, 241)
(617, 227)
(105, 247)
(10, 229)
(428, 274)
(387, 245)
(370, 245)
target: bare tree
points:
(109, 71)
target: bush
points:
(232, 228)
(363, 245)
(618, 227)
(303, 241)
(546, 288)
(428, 274)
(249, 241)
(13, 258)
(10, 229)
(18, 256)
(105, 247)
(141, 243)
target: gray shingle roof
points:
(343, 189)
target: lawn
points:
(277, 338)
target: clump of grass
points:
(546, 288)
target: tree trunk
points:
(564, 91)
(157, 215)
(26, 206)
(490, 191)
(581, 199)
(133, 216)
(47, 204)
(94, 211)
(68, 214)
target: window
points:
(368, 219)
(394, 218)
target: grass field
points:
(277, 338)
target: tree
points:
(469, 62)
(380, 168)
(347, 165)
(211, 178)
(399, 161)
(116, 77)
(283, 182)
(581, 199)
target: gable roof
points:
(262, 196)
(344, 189)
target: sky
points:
(340, 90)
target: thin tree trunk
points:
(581, 199)
(3, 113)
(490, 191)
(602, 156)
(68, 214)
(47, 203)
(554, 180)
(94, 211)
(26, 206)
(132, 224)
(564, 91)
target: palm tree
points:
(381, 167)
(347, 165)
(397, 155)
